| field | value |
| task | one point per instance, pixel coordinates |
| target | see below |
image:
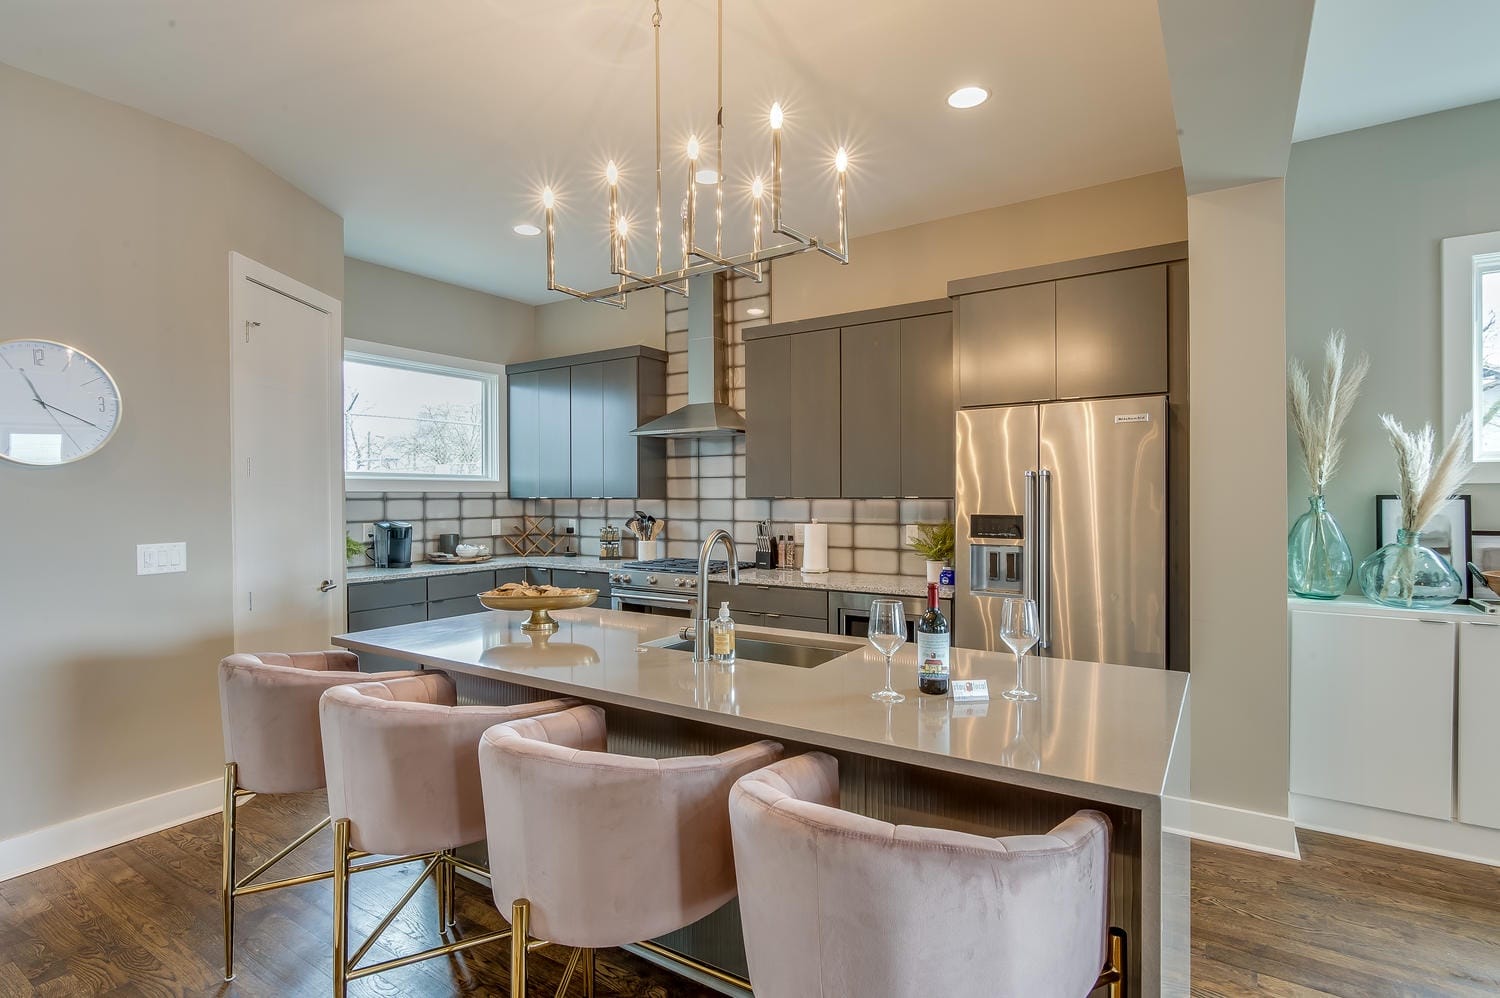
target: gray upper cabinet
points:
(524, 452)
(813, 409)
(570, 423)
(555, 395)
(1007, 345)
(927, 406)
(587, 431)
(768, 468)
(792, 417)
(870, 412)
(1112, 333)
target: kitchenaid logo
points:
(1134, 417)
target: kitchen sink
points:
(797, 655)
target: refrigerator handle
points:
(1028, 537)
(1044, 558)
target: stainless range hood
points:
(706, 414)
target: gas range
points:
(665, 573)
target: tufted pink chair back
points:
(403, 765)
(609, 849)
(269, 705)
(834, 903)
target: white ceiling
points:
(1373, 61)
(431, 126)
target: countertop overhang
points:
(1102, 732)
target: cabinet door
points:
(813, 440)
(587, 437)
(1112, 333)
(554, 447)
(568, 578)
(1478, 734)
(767, 417)
(524, 455)
(1007, 345)
(870, 411)
(927, 406)
(1372, 711)
(620, 407)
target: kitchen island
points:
(1102, 736)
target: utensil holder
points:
(646, 550)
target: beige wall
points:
(916, 263)
(1366, 213)
(116, 237)
(569, 327)
(1237, 482)
(402, 309)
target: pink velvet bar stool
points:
(273, 744)
(403, 780)
(591, 849)
(835, 903)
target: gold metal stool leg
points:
(520, 930)
(231, 776)
(1117, 959)
(340, 907)
(588, 973)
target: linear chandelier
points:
(697, 260)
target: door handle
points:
(1044, 556)
(328, 586)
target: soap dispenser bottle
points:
(723, 636)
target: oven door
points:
(660, 604)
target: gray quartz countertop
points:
(853, 582)
(1106, 729)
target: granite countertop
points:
(854, 582)
(1103, 732)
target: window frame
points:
(1464, 260)
(495, 479)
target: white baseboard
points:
(1231, 826)
(1405, 831)
(91, 832)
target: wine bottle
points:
(933, 642)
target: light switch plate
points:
(161, 559)
(911, 533)
(497, 528)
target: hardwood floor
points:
(1351, 919)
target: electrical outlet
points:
(570, 523)
(497, 528)
(911, 533)
(160, 559)
(367, 531)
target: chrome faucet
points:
(702, 645)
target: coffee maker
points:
(392, 544)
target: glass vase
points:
(1406, 574)
(1319, 563)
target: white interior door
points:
(287, 463)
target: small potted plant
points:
(934, 541)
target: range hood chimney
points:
(706, 414)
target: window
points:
(1471, 344)
(414, 418)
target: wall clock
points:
(57, 404)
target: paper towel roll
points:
(814, 548)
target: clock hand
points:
(65, 412)
(33, 390)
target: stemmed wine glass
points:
(887, 633)
(1018, 629)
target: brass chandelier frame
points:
(697, 260)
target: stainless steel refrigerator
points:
(1066, 502)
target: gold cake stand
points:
(540, 620)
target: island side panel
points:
(899, 793)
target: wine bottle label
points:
(932, 655)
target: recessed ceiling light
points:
(755, 313)
(707, 176)
(527, 229)
(966, 97)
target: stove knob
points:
(684, 583)
(650, 580)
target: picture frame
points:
(1484, 551)
(1449, 533)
